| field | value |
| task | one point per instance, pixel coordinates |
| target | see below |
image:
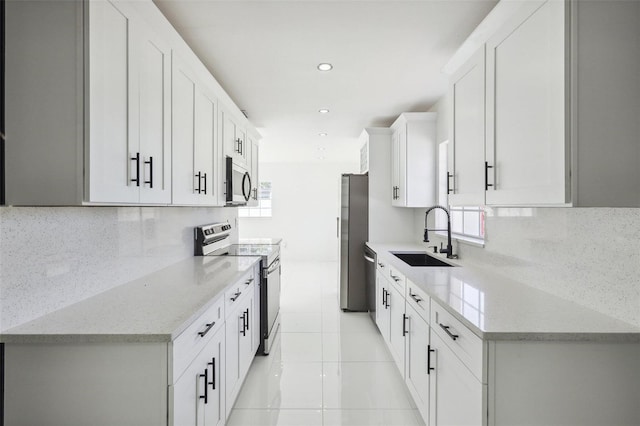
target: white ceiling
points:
(387, 57)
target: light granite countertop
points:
(155, 308)
(498, 308)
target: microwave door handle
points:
(246, 192)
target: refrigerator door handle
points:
(370, 259)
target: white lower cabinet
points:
(198, 396)
(455, 395)
(458, 379)
(190, 381)
(240, 346)
(418, 360)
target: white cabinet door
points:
(113, 147)
(526, 151)
(234, 139)
(398, 167)
(252, 160)
(194, 139)
(418, 360)
(198, 396)
(454, 392)
(233, 327)
(382, 306)
(466, 145)
(129, 110)
(151, 83)
(397, 326)
(213, 354)
(247, 349)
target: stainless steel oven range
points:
(214, 240)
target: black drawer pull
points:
(137, 160)
(235, 296)
(247, 314)
(244, 324)
(206, 383)
(249, 281)
(384, 297)
(486, 175)
(150, 181)
(404, 325)
(429, 367)
(206, 330)
(213, 370)
(413, 296)
(446, 329)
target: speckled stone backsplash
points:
(588, 255)
(55, 256)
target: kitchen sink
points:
(419, 258)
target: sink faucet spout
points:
(449, 249)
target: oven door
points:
(238, 183)
(273, 295)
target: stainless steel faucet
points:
(449, 249)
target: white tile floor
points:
(327, 367)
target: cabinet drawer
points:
(419, 300)
(191, 341)
(398, 279)
(382, 267)
(466, 345)
(236, 292)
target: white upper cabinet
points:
(526, 158)
(234, 139)
(413, 160)
(151, 87)
(92, 124)
(252, 160)
(195, 165)
(466, 146)
(561, 107)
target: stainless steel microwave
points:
(238, 183)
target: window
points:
(467, 223)
(263, 209)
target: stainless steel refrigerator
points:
(354, 232)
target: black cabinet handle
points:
(235, 296)
(244, 324)
(204, 177)
(449, 188)
(247, 314)
(150, 181)
(213, 375)
(446, 329)
(413, 296)
(137, 160)
(429, 367)
(387, 301)
(486, 175)
(206, 383)
(404, 325)
(206, 330)
(249, 281)
(396, 279)
(384, 297)
(381, 265)
(199, 176)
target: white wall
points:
(52, 257)
(306, 203)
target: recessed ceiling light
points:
(325, 66)
(323, 111)
(322, 134)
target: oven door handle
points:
(274, 266)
